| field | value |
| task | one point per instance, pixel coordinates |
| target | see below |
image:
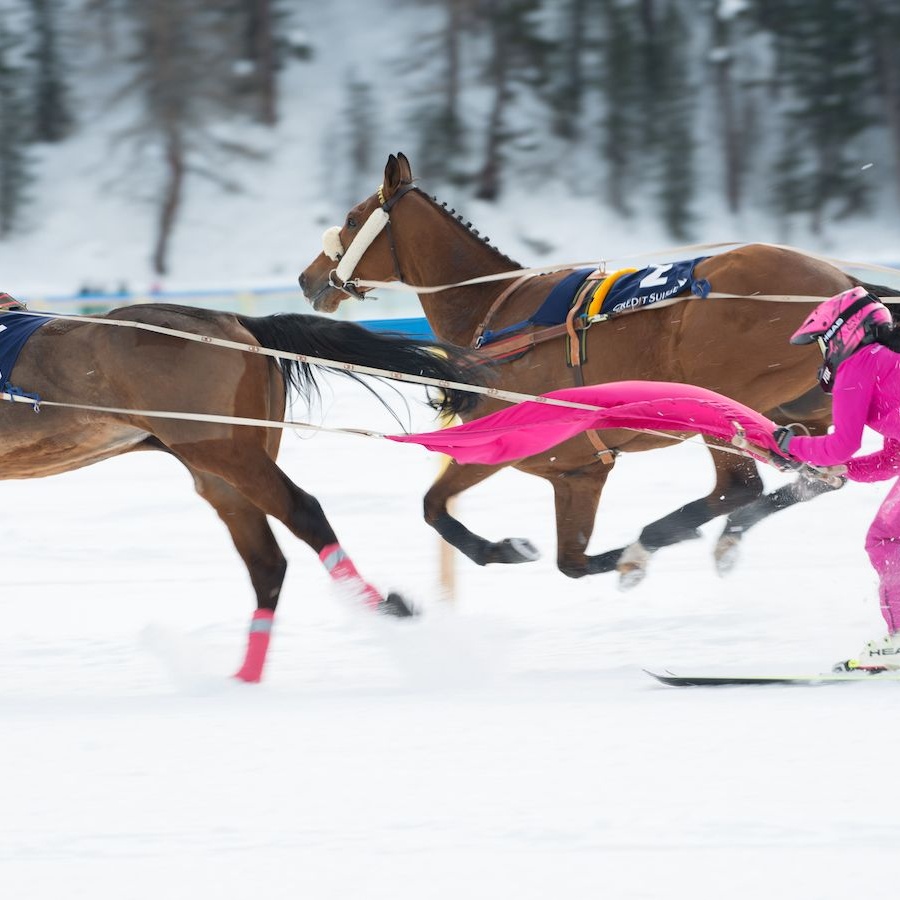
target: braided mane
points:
(451, 213)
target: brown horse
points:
(736, 346)
(136, 367)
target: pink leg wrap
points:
(257, 646)
(341, 568)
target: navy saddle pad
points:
(15, 329)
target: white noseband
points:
(348, 259)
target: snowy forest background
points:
(214, 141)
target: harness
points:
(593, 291)
(595, 286)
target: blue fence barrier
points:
(416, 328)
(402, 312)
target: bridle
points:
(341, 277)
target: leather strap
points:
(522, 343)
(504, 295)
(604, 454)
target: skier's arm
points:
(852, 395)
(876, 466)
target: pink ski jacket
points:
(866, 392)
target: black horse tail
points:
(347, 342)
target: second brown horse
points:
(736, 346)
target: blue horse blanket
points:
(642, 288)
(652, 284)
(15, 329)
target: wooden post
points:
(446, 553)
(447, 567)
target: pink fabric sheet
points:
(532, 427)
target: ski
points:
(723, 680)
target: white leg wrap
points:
(635, 556)
(632, 565)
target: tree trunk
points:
(571, 101)
(265, 63)
(171, 202)
(452, 48)
(489, 178)
(725, 90)
(648, 17)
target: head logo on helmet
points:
(841, 325)
(831, 332)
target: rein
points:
(341, 278)
(740, 445)
(740, 448)
(497, 393)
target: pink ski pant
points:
(883, 547)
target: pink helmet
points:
(843, 324)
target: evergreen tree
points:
(14, 158)
(570, 54)
(881, 30)
(52, 119)
(436, 112)
(789, 196)
(826, 72)
(183, 62)
(723, 62)
(620, 78)
(516, 72)
(360, 162)
(103, 16)
(669, 107)
(260, 52)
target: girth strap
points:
(519, 344)
(604, 454)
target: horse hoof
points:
(630, 577)
(513, 550)
(395, 605)
(727, 552)
(632, 566)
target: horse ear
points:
(406, 175)
(392, 176)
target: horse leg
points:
(577, 495)
(812, 411)
(742, 520)
(454, 480)
(255, 543)
(244, 485)
(737, 484)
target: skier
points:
(861, 369)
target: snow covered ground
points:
(506, 744)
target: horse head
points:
(363, 248)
